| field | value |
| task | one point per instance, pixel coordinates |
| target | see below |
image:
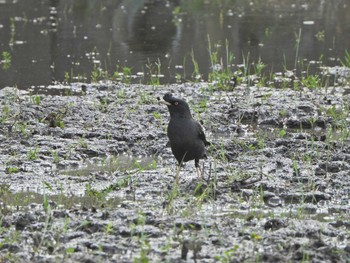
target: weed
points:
(5, 113)
(124, 74)
(98, 74)
(221, 74)
(22, 128)
(55, 156)
(282, 133)
(267, 32)
(311, 81)
(255, 236)
(258, 68)
(109, 228)
(228, 255)
(33, 154)
(13, 31)
(6, 60)
(145, 97)
(149, 166)
(196, 76)
(320, 36)
(35, 99)
(103, 106)
(157, 115)
(297, 47)
(96, 197)
(154, 72)
(145, 250)
(67, 77)
(346, 62)
(70, 250)
(12, 169)
(54, 120)
(178, 78)
(121, 94)
(171, 195)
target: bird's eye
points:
(176, 103)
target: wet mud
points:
(86, 176)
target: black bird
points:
(186, 136)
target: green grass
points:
(33, 154)
(224, 68)
(6, 59)
(346, 61)
(221, 73)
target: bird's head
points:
(178, 108)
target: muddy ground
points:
(86, 176)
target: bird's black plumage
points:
(186, 136)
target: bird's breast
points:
(181, 130)
(184, 140)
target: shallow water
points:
(70, 40)
(30, 200)
(110, 165)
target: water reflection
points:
(145, 26)
(67, 40)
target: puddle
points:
(28, 200)
(301, 211)
(110, 165)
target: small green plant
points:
(55, 120)
(267, 32)
(255, 236)
(157, 115)
(6, 60)
(221, 74)
(103, 106)
(109, 228)
(145, 97)
(144, 253)
(98, 74)
(82, 143)
(12, 169)
(282, 133)
(67, 77)
(33, 154)
(297, 47)
(320, 36)
(228, 255)
(94, 196)
(346, 62)
(70, 250)
(13, 31)
(311, 81)
(5, 113)
(36, 99)
(55, 156)
(246, 68)
(258, 68)
(154, 72)
(196, 72)
(123, 74)
(171, 196)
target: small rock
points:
(274, 224)
(274, 201)
(24, 220)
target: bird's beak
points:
(163, 102)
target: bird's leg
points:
(198, 170)
(177, 173)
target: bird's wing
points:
(201, 134)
